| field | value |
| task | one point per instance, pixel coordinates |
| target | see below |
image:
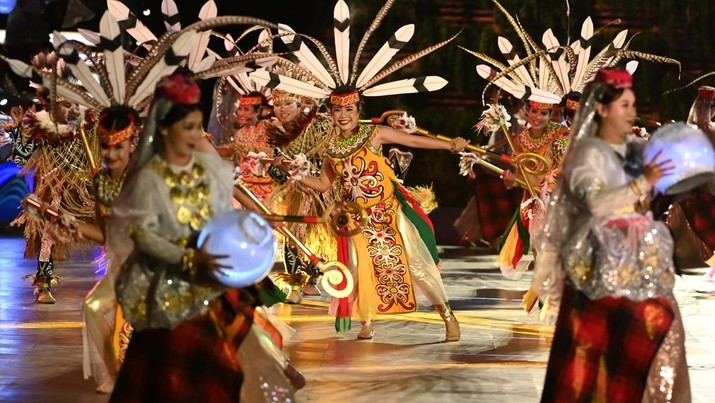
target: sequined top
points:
(165, 205)
(594, 231)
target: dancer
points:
(396, 250)
(545, 87)
(47, 143)
(106, 334)
(300, 132)
(609, 264)
(372, 186)
(188, 343)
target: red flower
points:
(179, 88)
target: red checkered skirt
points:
(495, 203)
(194, 362)
(603, 349)
(700, 212)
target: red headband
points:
(541, 106)
(112, 138)
(342, 100)
(252, 100)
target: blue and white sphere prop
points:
(248, 241)
(690, 151)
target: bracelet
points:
(452, 147)
(188, 260)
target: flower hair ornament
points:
(339, 73)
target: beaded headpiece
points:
(542, 106)
(111, 138)
(342, 100)
(280, 96)
(250, 100)
(572, 105)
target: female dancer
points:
(396, 250)
(106, 335)
(619, 334)
(189, 331)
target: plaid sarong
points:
(700, 211)
(495, 203)
(603, 349)
(194, 362)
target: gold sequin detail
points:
(189, 191)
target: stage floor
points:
(501, 357)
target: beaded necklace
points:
(189, 191)
(108, 189)
(527, 142)
(341, 147)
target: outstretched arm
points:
(388, 135)
(321, 183)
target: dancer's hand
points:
(207, 262)
(654, 170)
(459, 144)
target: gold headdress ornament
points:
(340, 73)
(561, 68)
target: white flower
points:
(405, 123)
(299, 167)
(493, 118)
(466, 162)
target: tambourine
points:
(248, 241)
(690, 151)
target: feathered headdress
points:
(201, 61)
(339, 72)
(561, 68)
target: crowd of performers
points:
(121, 159)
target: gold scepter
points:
(333, 272)
(88, 150)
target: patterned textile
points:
(495, 204)
(700, 211)
(253, 139)
(386, 274)
(603, 349)
(194, 362)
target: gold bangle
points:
(188, 260)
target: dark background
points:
(682, 29)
